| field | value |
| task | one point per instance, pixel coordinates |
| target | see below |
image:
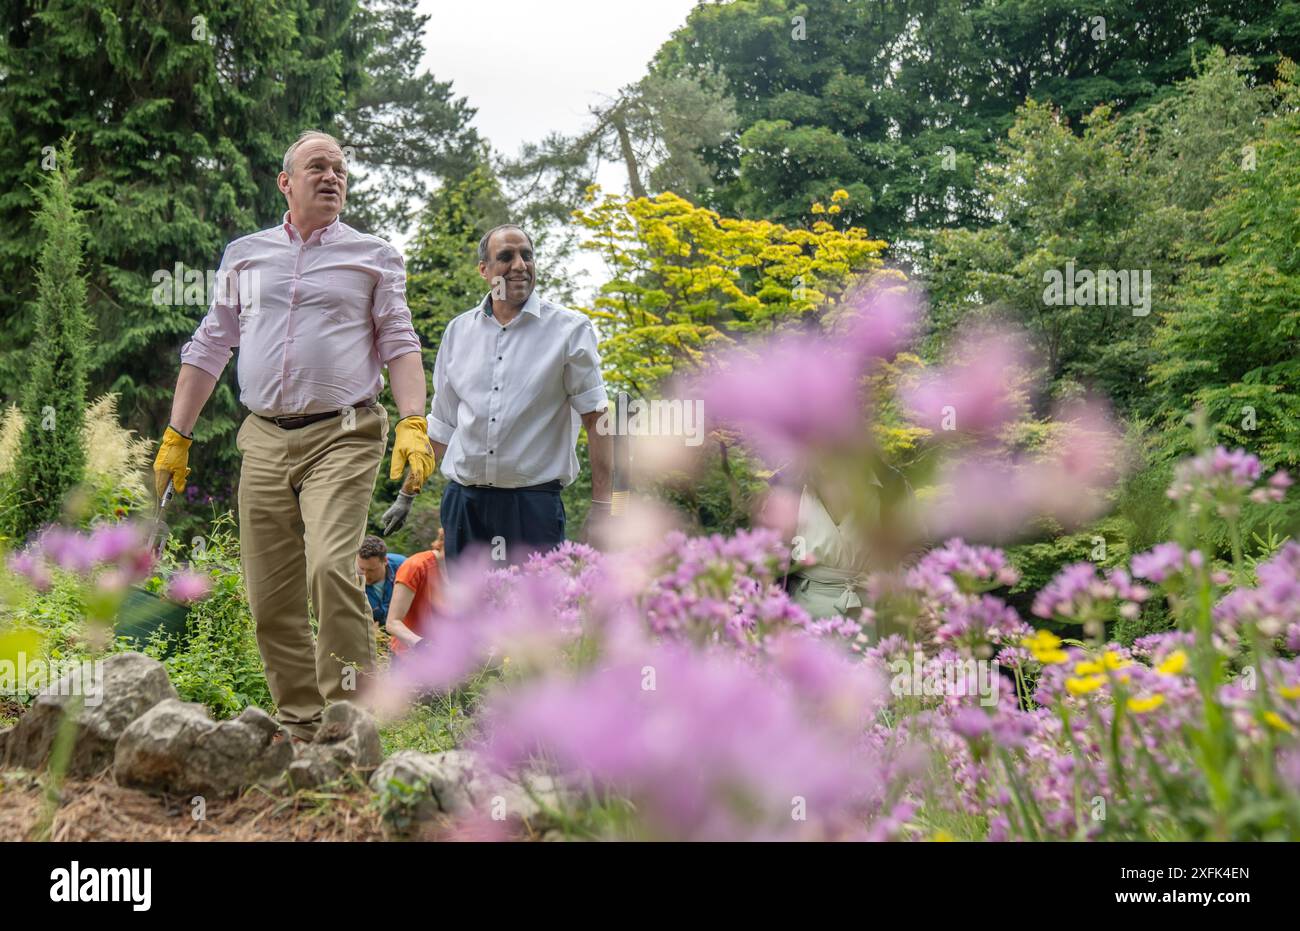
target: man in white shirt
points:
(515, 378)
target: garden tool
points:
(397, 513)
(158, 531)
(142, 612)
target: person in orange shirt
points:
(417, 595)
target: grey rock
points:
(347, 738)
(107, 696)
(176, 748)
(458, 783)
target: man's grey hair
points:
(483, 243)
(308, 136)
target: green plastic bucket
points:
(142, 612)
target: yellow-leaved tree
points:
(683, 278)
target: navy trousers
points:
(510, 522)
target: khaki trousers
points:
(304, 497)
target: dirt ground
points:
(100, 810)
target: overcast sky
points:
(534, 66)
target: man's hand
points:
(172, 462)
(396, 515)
(412, 448)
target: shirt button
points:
(492, 452)
(494, 420)
(499, 358)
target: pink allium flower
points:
(29, 564)
(1165, 560)
(975, 396)
(112, 543)
(796, 393)
(188, 586)
(704, 744)
(67, 549)
(881, 325)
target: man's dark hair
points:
(372, 546)
(487, 237)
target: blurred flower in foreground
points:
(799, 391)
(705, 745)
(188, 586)
(975, 396)
(992, 496)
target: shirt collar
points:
(531, 306)
(326, 234)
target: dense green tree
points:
(1231, 343)
(181, 116)
(51, 459)
(1126, 195)
(900, 103)
(442, 260)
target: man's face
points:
(372, 568)
(509, 270)
(318, 186)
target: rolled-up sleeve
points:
(582, 378)
(442, 413)
(394, 334)
(210, 347)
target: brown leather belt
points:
(298, 421)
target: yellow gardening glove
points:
(411, 447)
(172, 462)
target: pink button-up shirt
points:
(314, 321)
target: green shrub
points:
(217, 663)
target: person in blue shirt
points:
(378, 567)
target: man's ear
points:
(482, 270)
(282, 182)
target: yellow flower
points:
(1174, 663)
(833, 208)
(1085, 685)
(1042, 640)
(1046, 647)
(942, 836)
(818, 208)
(1275, 720)
(1289, 691)
(1143, 705)
(1088, 668)
(840, 194)
(1113, 660)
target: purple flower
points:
(706, 746)
(111, 543)
(67, 549)
(970, 723)
(1165, 560)
(1072, 592)
(188, 586)
(881, 325)
(975, 396)
(796, 393)
(30, 566)
(1273, 604)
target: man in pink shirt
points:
(317, 310)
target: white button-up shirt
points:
(507, 399)
(314, 321)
